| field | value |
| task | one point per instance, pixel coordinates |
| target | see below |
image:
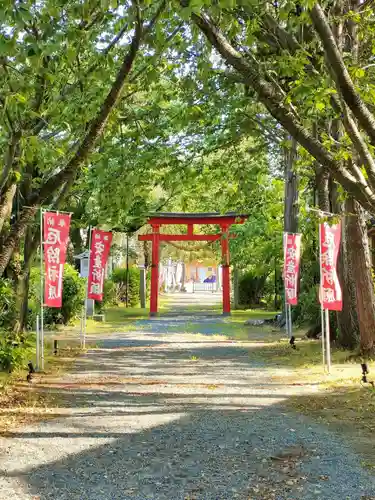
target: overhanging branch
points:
(340, 73)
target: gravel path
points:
(157, 414)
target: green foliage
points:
(308, 309)
(119, 277)
(251, 289)
(7, 304)
(110, 293)
(72, 297)
(185, 136)
(109, 296)
(11, 356)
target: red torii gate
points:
(160, 219)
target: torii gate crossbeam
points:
(223, 221)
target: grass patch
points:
(339, 400)
(243, 315)
(234, 328)
(119, 318)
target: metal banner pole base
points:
(42, 348)
(290, 321)
(328, 343)
(37, 344)
(323, 338)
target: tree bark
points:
(347, 319)
(6, 203)
(360, 266)
(340, 73)
(17, 232)
(291, 191)
(146, 254)
(322, 188)
(22, 292)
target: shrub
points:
(308, 307)
(251, 289)
(72, 298)
(110, 293)
(7, 304)
(109, 296)
(119, 278)
(11, 356)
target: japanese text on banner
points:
(292, 249)
(100, 246)
(330, 289)
(55, 243)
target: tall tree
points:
(64, 68)
(291, 99)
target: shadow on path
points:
(179, 419)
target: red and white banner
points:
(292, 251)
(100, 246)
(55, 242)
(330, 290)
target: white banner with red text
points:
(292, 252)
(330, 289)
(99, 252)
(55, 242)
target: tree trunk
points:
(347, 319)
(76, 240)
(360, 261)
(322, 188)
(146, 254)
(291, 191)
(14, 238)
(31, 244)
(6, 202)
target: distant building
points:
(201, 270)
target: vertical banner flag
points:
(292, 250)
(55, 243)
(330, 290)
(99, 251)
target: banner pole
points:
(41, 291)
(127, 270)
(323, 338)
(87, 292)
(81, 326)
(328, 343)
(285, 297)
(321, 298)
(290, 321)
(37, 343)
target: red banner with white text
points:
(292, 250)
(55, 243)
(330, 289)
(100, 246)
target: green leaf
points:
(20, 98)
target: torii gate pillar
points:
(155, 271)
(225, 268)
